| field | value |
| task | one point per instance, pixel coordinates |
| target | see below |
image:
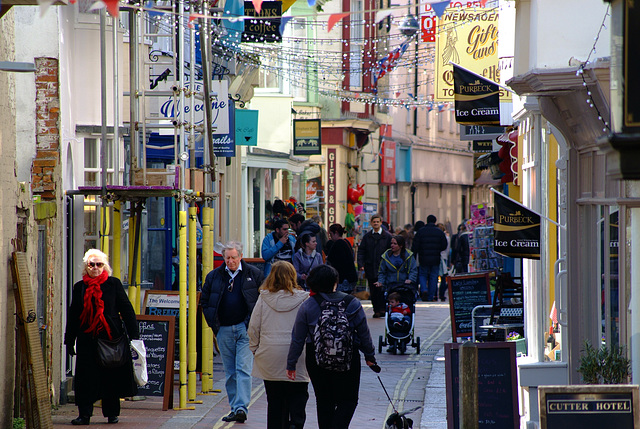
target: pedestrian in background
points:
(444, 264)
(99, 306)
(269, 339)
(340, 256)
(229, 294)
(278, 245)
(306, 257)
(460, 250)
(336, 391)
(427, 244)
(373, 244)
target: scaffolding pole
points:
(193, 306)
(117, 240)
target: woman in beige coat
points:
(269, 339)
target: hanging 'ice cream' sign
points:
(219, 106)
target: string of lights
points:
(590, 101)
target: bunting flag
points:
(516, 229)
(477, 100)
(311, 3)
(334, 19)
(440, 7)
(113, 7)
(44, 6)
(286, 4)
(257, 5)
(483, 3)
(554, 313)
(283, 23)
(382, 14)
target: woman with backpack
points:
(333, 327)
(269, 338)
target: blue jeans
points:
(237, 360)
(428, 278)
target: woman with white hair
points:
(99, 306)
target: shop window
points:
(608, 246)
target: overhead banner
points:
(468, 36)
(307, 137)
(477, 100)
(516, 229)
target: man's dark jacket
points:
(428, 243)
(370, 252)
(218, 279)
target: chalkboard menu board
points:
(167, 303)
(158, 333)
(465, 293)
(497, 394)
(589, 406)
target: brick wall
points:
(46, 164)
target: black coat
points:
(340, 256)
(92, 382)
(428, 243)
(212, 290)
(370, 251)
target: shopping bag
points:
(139, 357)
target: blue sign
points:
(246, 127)
(224, 144)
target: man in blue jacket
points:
(427, 244)
(278, 245)
(228, 296)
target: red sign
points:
(331, 186)
(428, 28)
(388, 159)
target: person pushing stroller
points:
(397, 266)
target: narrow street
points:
(404, 376)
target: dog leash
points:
(387, 393)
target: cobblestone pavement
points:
(412, 380)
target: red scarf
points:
(93, 312)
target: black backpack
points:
(333, 337)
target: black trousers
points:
(286, 402)
(336, 392)
(377, 296)
(110, 407)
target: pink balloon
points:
(358, 210)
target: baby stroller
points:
(397, 337)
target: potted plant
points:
(521, 345)
(606, 365)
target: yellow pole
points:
(207, 333)
(193, 308)
(132, 241)
(182, 318)
(206, 264)
(117, 240)
(105, 223)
